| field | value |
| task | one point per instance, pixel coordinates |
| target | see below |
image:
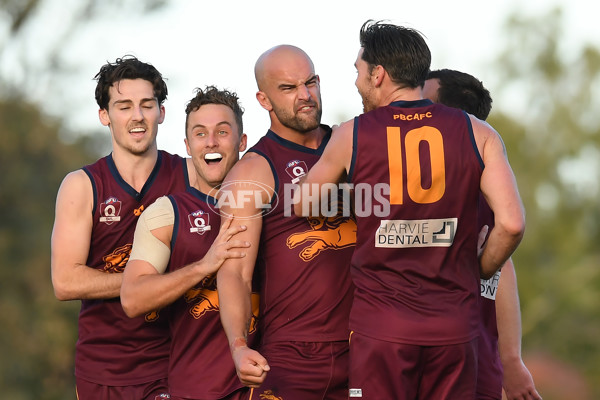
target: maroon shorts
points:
(387, 370)
(240, 394)
(155, 390)
(305, 371)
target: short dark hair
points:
(461, 90)
(401, 51)
(128, 67)
(212, 95)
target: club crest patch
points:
(296, 170)
(110, 210)
(199, 222)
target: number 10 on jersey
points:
(409, 151)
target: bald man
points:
(302, 263)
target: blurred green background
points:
(552, 136)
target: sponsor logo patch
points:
(396, 233)
(489, 288)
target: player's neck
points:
(311, 139)
(402, 94)
(202, 185)
(135, 168)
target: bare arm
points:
(234, 279)
(145, 285)
(499, 187)
(517, 380)
(331, 168)
(70, 244)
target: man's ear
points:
(378, 74)
(264, 101)
(187, 147)
(243, 142)
(103, 116)
(161, 118)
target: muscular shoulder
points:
(77, 178)
(252, 166)
(76, 189)
(251, 173)
(344, 128)
(486, 136)
(252, 156)
(338, 153)
(342, 136)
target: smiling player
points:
(178, 247)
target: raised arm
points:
(70, 244)
(146, 286)
(331, 168)
(499, 186)
(517, 380)
(234, 279)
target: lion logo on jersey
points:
(152, 316)
(326, 233)
(115, 262)
(268, 395)
(206, 299)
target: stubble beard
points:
(139, 148)
(300, 123)
(367, 102)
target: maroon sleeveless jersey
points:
(200, 364)
(303, 263)
(113, 349)
(489, 366)
(416, 172)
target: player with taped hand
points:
(179, 246)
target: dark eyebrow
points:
(122, 101)
(290, 86)
(286, 86)
(128, 101)
(219, 123)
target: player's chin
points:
(215, 173)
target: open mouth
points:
(213, 158)
(305, 109)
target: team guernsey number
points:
(409, 150)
